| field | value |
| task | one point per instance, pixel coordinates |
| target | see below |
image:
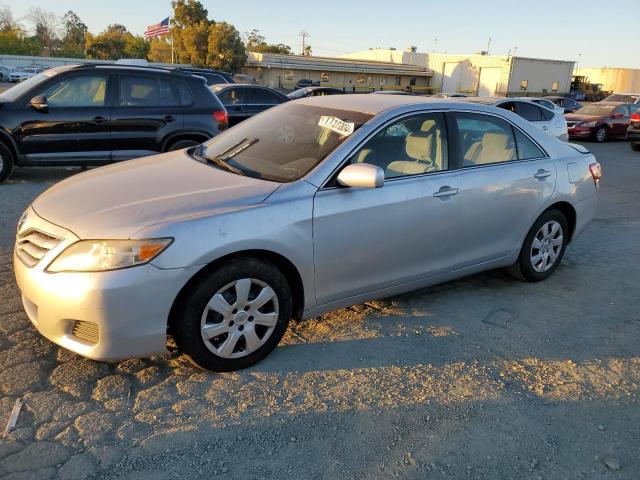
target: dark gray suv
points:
(97, 114)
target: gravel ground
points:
(485, 378)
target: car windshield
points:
(13, 93)
(282, 144)
(596, 110)
(621, 97)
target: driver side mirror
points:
(362, 175)
(39, 102)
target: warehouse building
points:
(481, 74)
(623, 80)
(283, 71)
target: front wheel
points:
(235, 316)
(6, 162)
(543, 247)
(600, 135)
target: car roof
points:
(611, 104)
(374, 104)
(113, 66)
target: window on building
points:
(524, 84)
(288, 75)
(555, 86)
(324, 77)
(360, 79)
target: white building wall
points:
(540, 76)
(623, 80)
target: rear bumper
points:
(585, 211)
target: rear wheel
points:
(235, 316)
(6, 162)
(181, 144)
(543, 247)
(635, 146)
(600, 135)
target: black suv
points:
(213, 77)
(97, 114)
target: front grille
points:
(87, 331)
(32, 245)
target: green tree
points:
(136, 46)
(225, 48)
(160, 51)
(109, 44)
(15, 42)
(190, 31)
(74, 36)
(258, 43)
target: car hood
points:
(118, 200)
(574, 117)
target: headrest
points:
(418, 145)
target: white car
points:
(4, 73)
(22, 73)
(548, 120)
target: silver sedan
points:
(308, 207)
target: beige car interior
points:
(493, 148)
(422, 152)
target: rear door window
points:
(261, 96)
(526, 148)
(484, 139)
(143, 91)
(529, 112)
(185, 96)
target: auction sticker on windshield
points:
(337, 125)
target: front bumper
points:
(128, 309)
(579, 132)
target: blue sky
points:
(548, 29)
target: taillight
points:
(635, 117)
(221, 117)
(596, 173)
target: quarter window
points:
(484, 139)
(263, 97)
(78, 91)
(526, 148)
(146, 92)
(411, 146)
(232, 96)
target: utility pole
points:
(304, 34)
(435, 45)
(488, 45)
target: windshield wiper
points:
(217, 160)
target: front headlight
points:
(588, 124)
(101, 255)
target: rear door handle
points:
(542, 174)
(446, 192)
(169, 118)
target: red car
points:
(600, 121)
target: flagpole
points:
(173, 58)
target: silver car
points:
(310, 206)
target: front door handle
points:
(542, 174)
(169, 118)
(446, 192)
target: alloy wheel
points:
(239, 318)
(601, 134)
(546, 246)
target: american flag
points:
(158, 29)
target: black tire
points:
(523, 268)
(635, 146)
(181, 144)
(6, 162)
(187, 326)
(600, 135)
